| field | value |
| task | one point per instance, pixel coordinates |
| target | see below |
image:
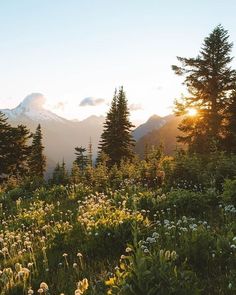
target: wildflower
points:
(155, 235)
(167, 255)
(173, 255)
(82, 286)
(150, 240)
(30, 264)
(44, 286)
(18, 267)
(128, 250)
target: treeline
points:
(21, 152)
(211, 84)
(116, 147)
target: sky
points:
(76, 52)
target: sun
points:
(191, 112)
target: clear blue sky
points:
(69, 50)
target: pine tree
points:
(209, 80)
(116, 140)
(75, 175)
(124, 139)
(4, 144)
(37, 160)
(18, 151)
(14, 149)
(107, 143)
(90, 153)
(60, 175)
(230, 126)
(81, 159)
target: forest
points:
(124, 224)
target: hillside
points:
(165, 135)
(60, 135)
(153, 123)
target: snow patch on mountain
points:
(32, 108)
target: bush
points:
(229, 191)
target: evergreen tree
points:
(90, 153)
(210, 81)
(60, 175)
(230, 126)
(81, 159)
(18, 151)
(124, 140)
(75, 175)
(4, 144)
(116, 140)
(37, 161)
(108, 138)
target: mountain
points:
(165, 135)
(31, 109)
(60, 136)
(153, 123)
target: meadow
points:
(157, 226)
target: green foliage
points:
(37, 160)
(188, 202)
(210, 82)
(14, 149)
(229, 192)
(60, 175)
(199, 172)
(81, 159)
(180, 256)
(141, 273)
(116, 140)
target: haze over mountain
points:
(165, 135)
(60, 136)
(154, 122)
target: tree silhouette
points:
(210, 81)
(37, 160)
(116, 140)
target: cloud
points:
(91, 101)
(135, 107)
(60, 106)
(34, 101)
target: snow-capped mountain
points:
(32, 108)
(60, 136)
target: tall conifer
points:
(37, 160)
(210, 81)
(116, 140)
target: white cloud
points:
(135, 107)
(91, 101)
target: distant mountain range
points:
(165, 134)
(61, 136)
(153, 123)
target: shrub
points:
(229, 191)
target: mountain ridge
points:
(60, 135)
